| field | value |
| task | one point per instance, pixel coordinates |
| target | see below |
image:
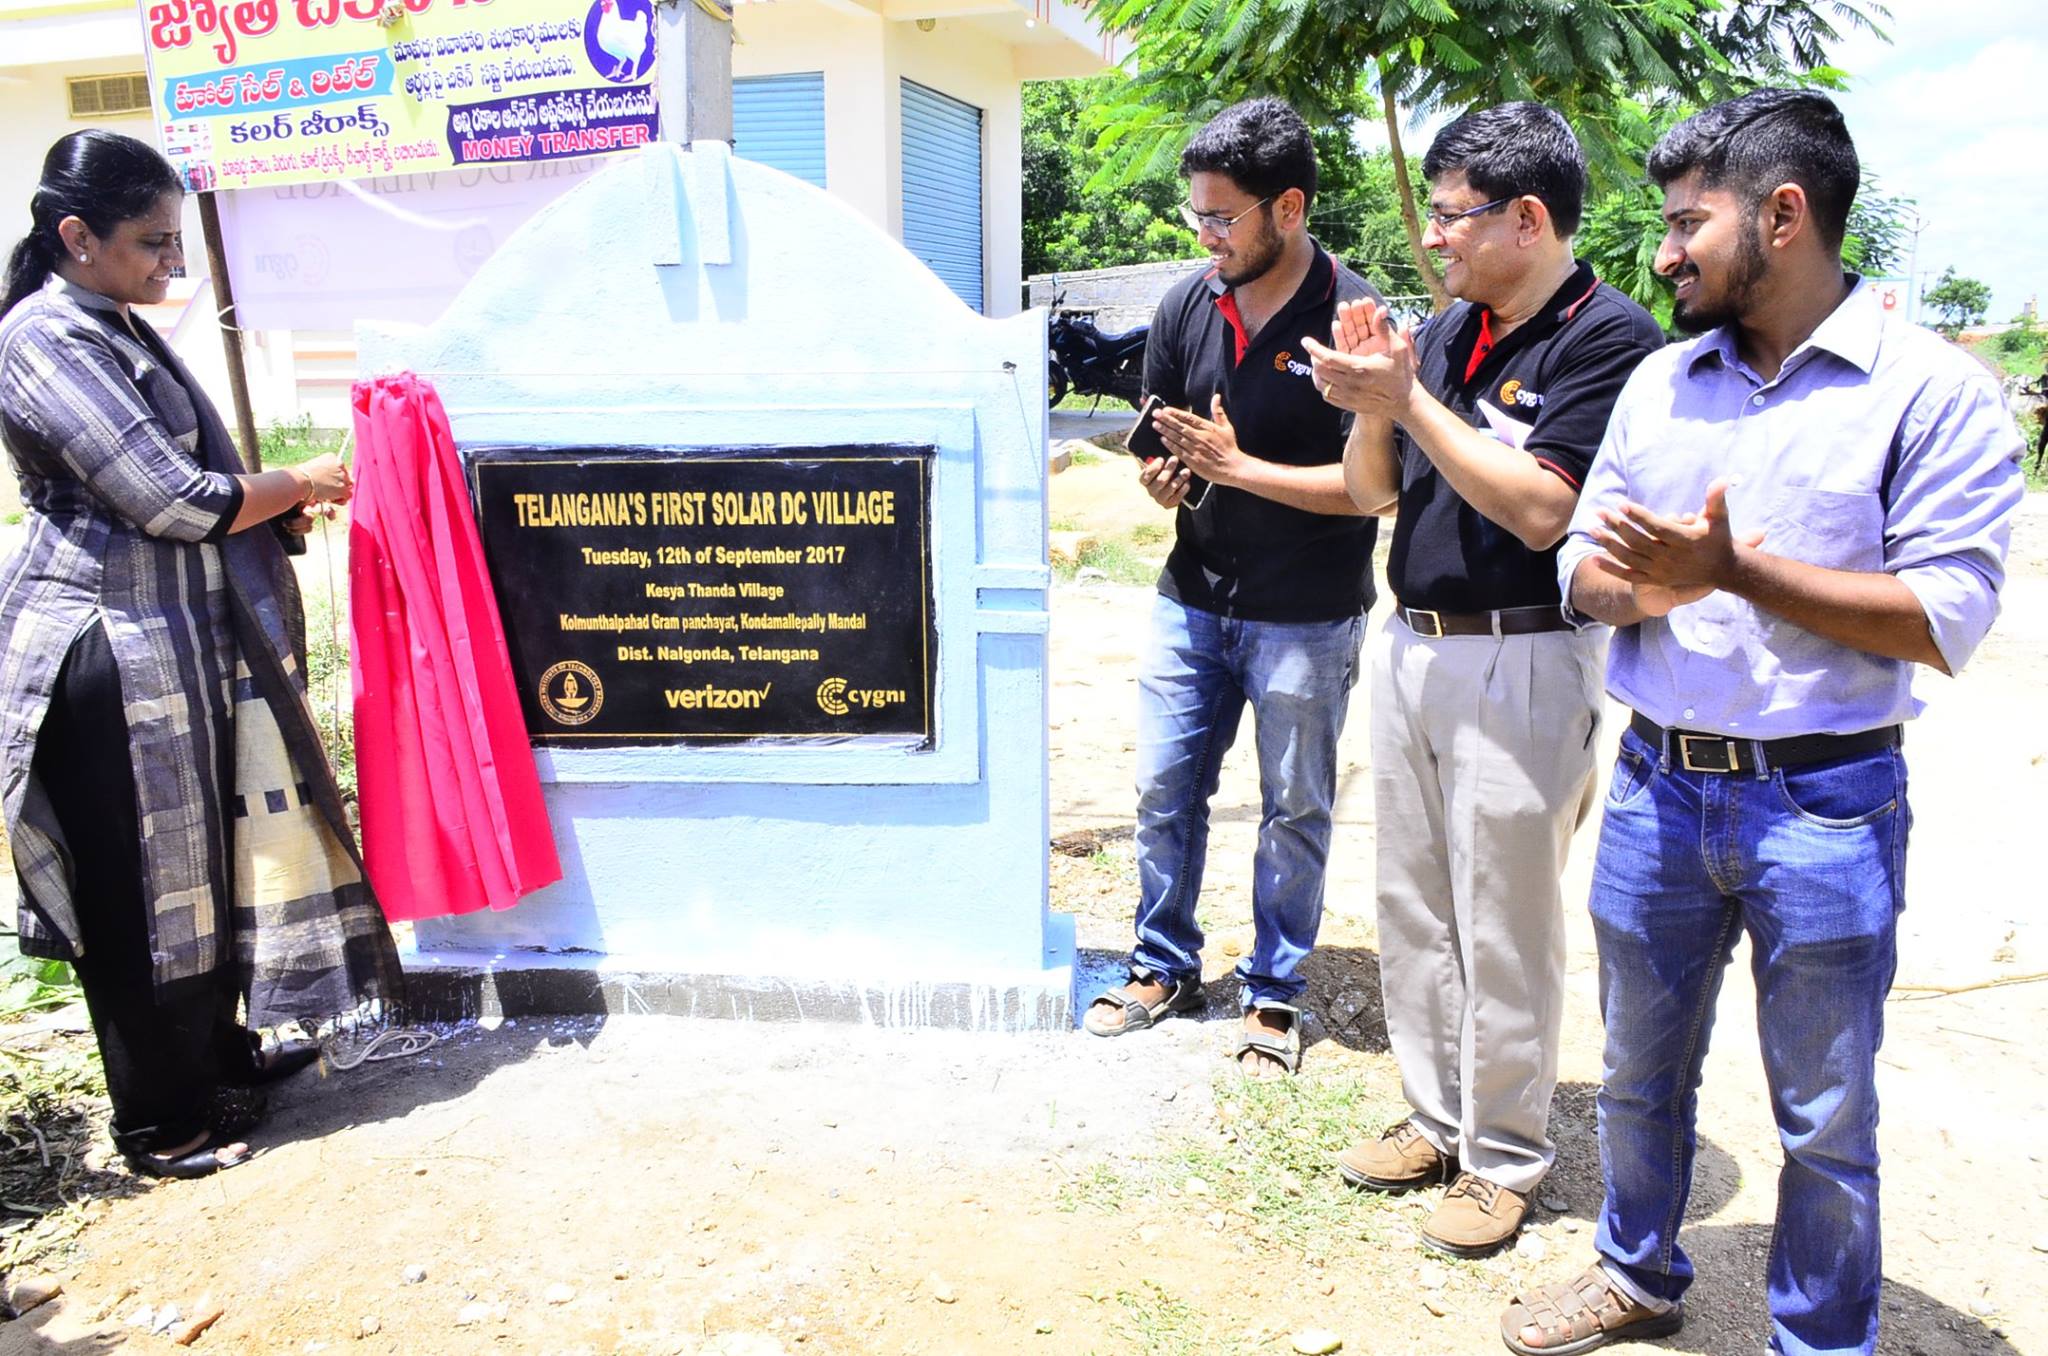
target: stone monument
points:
(764, 505)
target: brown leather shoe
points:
(1570, 1317)
(1477, 1218)
(1399, 1160)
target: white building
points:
(909, 110)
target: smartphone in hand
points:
(1145, 443)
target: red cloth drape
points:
(453, 819)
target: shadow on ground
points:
(1725, 1310)
(327, 1099)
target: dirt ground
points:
(661, 1185)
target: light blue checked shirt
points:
(1879, 447)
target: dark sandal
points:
(1182, 996)
(1284, 1050)
(203, 1161)
(1575, 1316)
(276, 1065)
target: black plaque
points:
(689, 596)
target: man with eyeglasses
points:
(1486, 695)
(1791, 516)
(1263, 597)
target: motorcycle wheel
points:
(1055, 385)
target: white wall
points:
(861, 165)
(865, 58)
(35, 111)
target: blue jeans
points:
(1810, 861)
(1197, 674)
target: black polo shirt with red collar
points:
(1556, 377)
(1240, 554)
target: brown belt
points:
(1719, 753)
(1508, 621)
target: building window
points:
(108, 96)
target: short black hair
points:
(1769, 137)
(1261, 145)
(1516, 150)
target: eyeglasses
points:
(1445, 220)
(1216, 223)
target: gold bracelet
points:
(304, 480)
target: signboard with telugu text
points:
(264, 93)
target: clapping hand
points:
(1207, 447)
(1368, 367)
(1670, 562)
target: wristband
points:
(304, 481)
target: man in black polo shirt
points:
(1263, 597)
(1485, 698)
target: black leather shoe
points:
(203, 1161)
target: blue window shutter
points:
(942, 187)
(779, 120)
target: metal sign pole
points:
(230, 331)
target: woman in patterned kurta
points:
(173, 819)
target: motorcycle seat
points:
(1117, 340)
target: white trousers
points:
(1482, 751)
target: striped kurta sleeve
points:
(69, 388)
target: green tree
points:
(1070, 225)
(1336, 57)
(1876, 243)
(1961, 301)
(1067, 225)
(1625, 224)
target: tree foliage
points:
(1333, 58)
(1624, 225)
(1071, 224)
(1879, 224)
(1960, 301)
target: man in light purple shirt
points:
(1787, 515)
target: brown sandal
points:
(1574, 1316)
(1134, 1014)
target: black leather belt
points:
(1509, 621)
(1718, 753)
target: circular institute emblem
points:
(570, 693)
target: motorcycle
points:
(1087, 361)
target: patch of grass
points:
(1085, 455)
(288, 442)
(1150, 534)
(14, 518)
(328, 675)
(1063, 525)
(1159, 1323)
(2030, 434)
(2019, 350)
(1101, 1188)
(1117, 560)
(52, 1112)
(1074, 400)
(1266, 1167)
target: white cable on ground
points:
(404, 1042)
